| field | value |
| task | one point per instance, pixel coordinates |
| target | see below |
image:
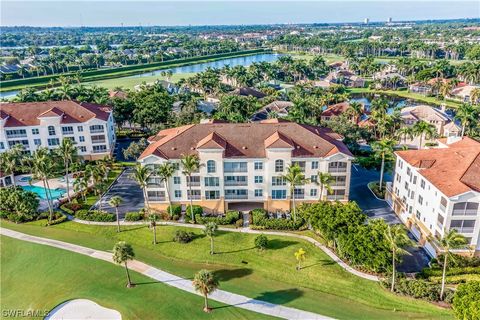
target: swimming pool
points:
(54, 193)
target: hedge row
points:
(133, 216)
(420, 289)
(95, 215)
(261, 221)
(230, 218)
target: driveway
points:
(130, 192)
(374, 208)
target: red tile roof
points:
(336, 109)
(28, 113)
(452, 170)
(246, 140)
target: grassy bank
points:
(95, 75)
(37, 277)
(322, 286)
(131, 82)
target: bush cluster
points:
(183, 236)
(18, 205)
(133, 216)
(230, 218)
(261, 221)
(174, 209)
(95, 215)
(196, 210)
(466, 301)
(57, 218)
(71, 207)
(261, 242)
(420, 289)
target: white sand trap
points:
(80, 309)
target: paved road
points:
(374, 208)
(226, 297)
(127, 188)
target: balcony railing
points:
(99, 151)
(155, 185)
(236, 196)
(338, 184)
(464, 229)
(333, 170)
(335, 197)
(97, 130)
(98, 141)
(193, 183)
(194, 197)
(467, 212)
(156, 198)
(235, 170)
(235, 183)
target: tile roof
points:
(424, 112)
(246, 140)
(336, 109)
(453, 170)
(28, 113)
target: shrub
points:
(133, 216)
(262, 222)
(18, 205)
(239, 223)
(258, 214)
(57, 218)
(466, 301)
(457, 261)
(176, 209)
(418, 289)
(230, 218)
(95, 215)
(261, 242)
(196, 210)
(183, 236)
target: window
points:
(399, 178)
(418, 215)
(156, 195)
(258, 193)
(211, 168)
(67, 130)
(83, 149)
(178, 193)
(314, 178)
(99, 149)
(37, 142)
(314, 164)
(336, 195)
(420, 199)
(406, 185)
(155, 182)
(80, 128)
(337, 167)
(195, 195)
(465, 226)
(258, 165)
(400, 163)
(465, 209)
(236, 194)
(18, 133)
(53, 142)
(301, 164)
(279, 165)
(258, 179)
(195, 180)
(279, 194)
(212, 195)
(278, 181)
(313, 192)
(235, 180)
(176, 180)
(415, 180)
(82, 139)
(176, 165)
(235, 167)
(440, 221)
(51, 130)
(2, 145)
(422, 184)
(98, 139)
(409, 171)
(97, 128)
(212, 181)
(35, 131)
(299, 193)
(339, 181)
(15, 142)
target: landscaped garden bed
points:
(374, 186)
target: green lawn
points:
(38, 277)
(130, 83)
(322, 286)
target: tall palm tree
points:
(324, 179)
(294, 177)
(450, 240)
(190, 164)
(115, 202)
(383, 149)
(466, 114)
(152, 218)
(141, 175)
(122, 252)
(425, 130)
(205, 283)
(210, 230)
(404, 133)
(81, 185)
(357, 110)
(165, 172)
(397, 239)
(68, 153)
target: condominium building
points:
(45, 124)
(435, 190)
(242, 164)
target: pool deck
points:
(54, 183)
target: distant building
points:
(334, 110)
(436, 117)
(278, 109)
(247, 91)
(366, 20)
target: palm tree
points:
(475, 96)
(141, 175)
(356, 110)
(425, 130)
(81, 185)
(383, 149)
(190, 164)
(397, 239)
(115, 202)
(152, 218)
(165, 172)
(300, 256)
(466, 114)
(68, 153)
(122, 252)
(205, 283)
(324, 180)
(404, 133)
(294, 177)
(209, 231)
(450, 240)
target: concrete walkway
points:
(222, 296)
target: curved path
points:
(226, 297)
(329, 252)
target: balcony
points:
(464, 229)
(98, 141)
(335, 170)
(335, 197)
(18, 135)
(194, 197)
(236, 196)
(156, 198)
(97, 130)
(193, 183)
(235, 183)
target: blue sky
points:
(147, 13)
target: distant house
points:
(334, 111)
(247, 91)
(420, 88)
(345, 77)
(463, 92)
(277, 108)
(117, 94)
(444, 125)
(392, 80)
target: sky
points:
(226, 12)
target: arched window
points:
(51, 130)
(211, 168)
(279, 166)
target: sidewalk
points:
(174, 281)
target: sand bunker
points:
(80, 309)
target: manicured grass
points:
(38, 277)
(408, 95)
(322, 286)
(130, 83)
